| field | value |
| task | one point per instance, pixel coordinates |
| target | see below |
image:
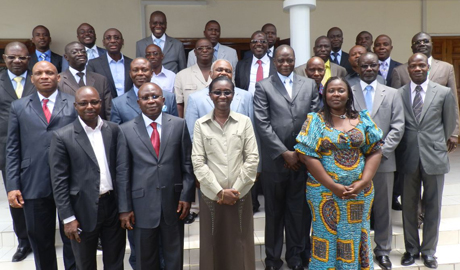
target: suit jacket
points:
(173, 50)
(8, 95)
(425, 141)
(65, 64)
(243, 72)
(149, 185)
(200, 104)
(56, 60)
(393, 65)
(101, 65)
(388, 114)
(279, 118)
(344, 62)
(69, 85)
(224, 52)
(76, 191)
(189, 81)
(336, 70)
(29, 136)
(125, 107)
(353, 78)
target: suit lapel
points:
(90, 80)
(127, 65)
(296, 86)
(236, 102)
(165, 132)
(358, 96)
(29, 88)
(407, 100)
(279, 86)
(433, 69)
(37, 107)
(198, 74)
(61, 102)
(107, 139)
(104, 62)
(141, 131)
(83, 141)
(69, 80)
(168, 44)
(430, 94)
(272, 68)
(8, 85)
(131, 101)
(379, 96)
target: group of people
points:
(118, 144)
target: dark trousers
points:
(148, 248)
(40, 216)
(285, 211)
(113, 239)
(19, 221)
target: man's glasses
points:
(14, 57)
(147, 98)
(85, 103)
(219, 93)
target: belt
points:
(105, 194)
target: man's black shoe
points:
(384, 262)
(270, 268)
(298, 267)
(21, 254)
(430, 261)
(190, 218)
(408, 259)
(396, 205)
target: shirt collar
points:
(386, 61)
(265, 59)
(148, 121)
(364, 84)
(424, 85)
(88, 128)
(136, 90)
(163, 38)
(48, 53)
(12, 76)
(430, 60)
(94, 48)
(122, 59)
(210, 116)
(51, 98)
(339, 53)
(283, 78)
(74, 71)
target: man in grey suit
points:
(156, 183)
(91, 143)
(386, 109)
(212, 33)
(31, 123)
(281, 104)
(430, 116)
(78, 75)
(173, 49)
(14, 84)
(125, 107)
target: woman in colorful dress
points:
(341, 149)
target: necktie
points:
(320, 88)
(417, 104)
(368, 97)
(288, 86)
(155, 138)
(260, 71)
(81, 83)
(90, 54)
(384, 69)
(19, 87)
(215, 53)
(335, 60)
(45, 110)
(42, 57)
(157, 42)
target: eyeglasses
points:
(75, 52)
(15, 57)
(371, 66)
(85, 103)
(422, 41)
(108, 38)
(254, 41)
(202, 48)
(219, 93)
(152, 54)
(152, 97)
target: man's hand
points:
(184, 207)
(127, 220)
(15, 199)
(291, 160)
(71, 230)
(452, 143)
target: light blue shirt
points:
(47, 54)
(162, 41)
(164, 79)
(291, 80)
(117, 68)
(12, 76)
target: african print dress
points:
(340, 228)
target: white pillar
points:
(300, 27)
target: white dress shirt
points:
(74, 74)
(422, 93)
(51, 100)
(164, 79)
(287, 85)
(339, 55)
(148, 121)
(94, 51)
(254, 66)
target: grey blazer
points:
(69, 85)
(149, 185)
(388, 114)
(336, 70)
(278, 118)
(224, 52)
(174, 53)
(425, 142)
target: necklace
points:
(343, 116)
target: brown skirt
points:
(226, 235)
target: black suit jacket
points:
(8, 95)
(29, 136)
(243, 72)
(393, 64)
(76, 190)
(344, 62)
(101, 65)
(56, 60)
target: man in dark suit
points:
(125, 107)
(338, 56)
(173, 50)
(281, 104)
(31, 123)
(113, 65)
(353, 78)
(386, 108)
(41, 38)
(250, 70)
(78, 75)
(91, 143)
(14, 84)
(383, 47)
(155, 149)
(364, 38)
(87, 36)
(270, 30)
(430, 113)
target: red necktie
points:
(45, 110)
(155, 138)
(260, 71)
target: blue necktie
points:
(43, 57)
(368, 98)
(336, 59)
(158, 42)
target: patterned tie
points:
(81, 82)
(336, 60)
(368, 97)
(43, 57)
(45, 110)
(19, 87)
(384, 69)
(320, 88)
(417, 104)
(155, 138)
(288, 86)
(260, 71)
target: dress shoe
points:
(21, 254)
(190, 218)
(270, 268)
(99, 244)
(384, 262)
(430, 261)
(408, 259)
(396, 205)
(298, 267)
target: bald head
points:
(45, 78)
(221, 67)
(355, 52)
(88, 105)
(418, 67)
(315, 69)
(82, 91)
